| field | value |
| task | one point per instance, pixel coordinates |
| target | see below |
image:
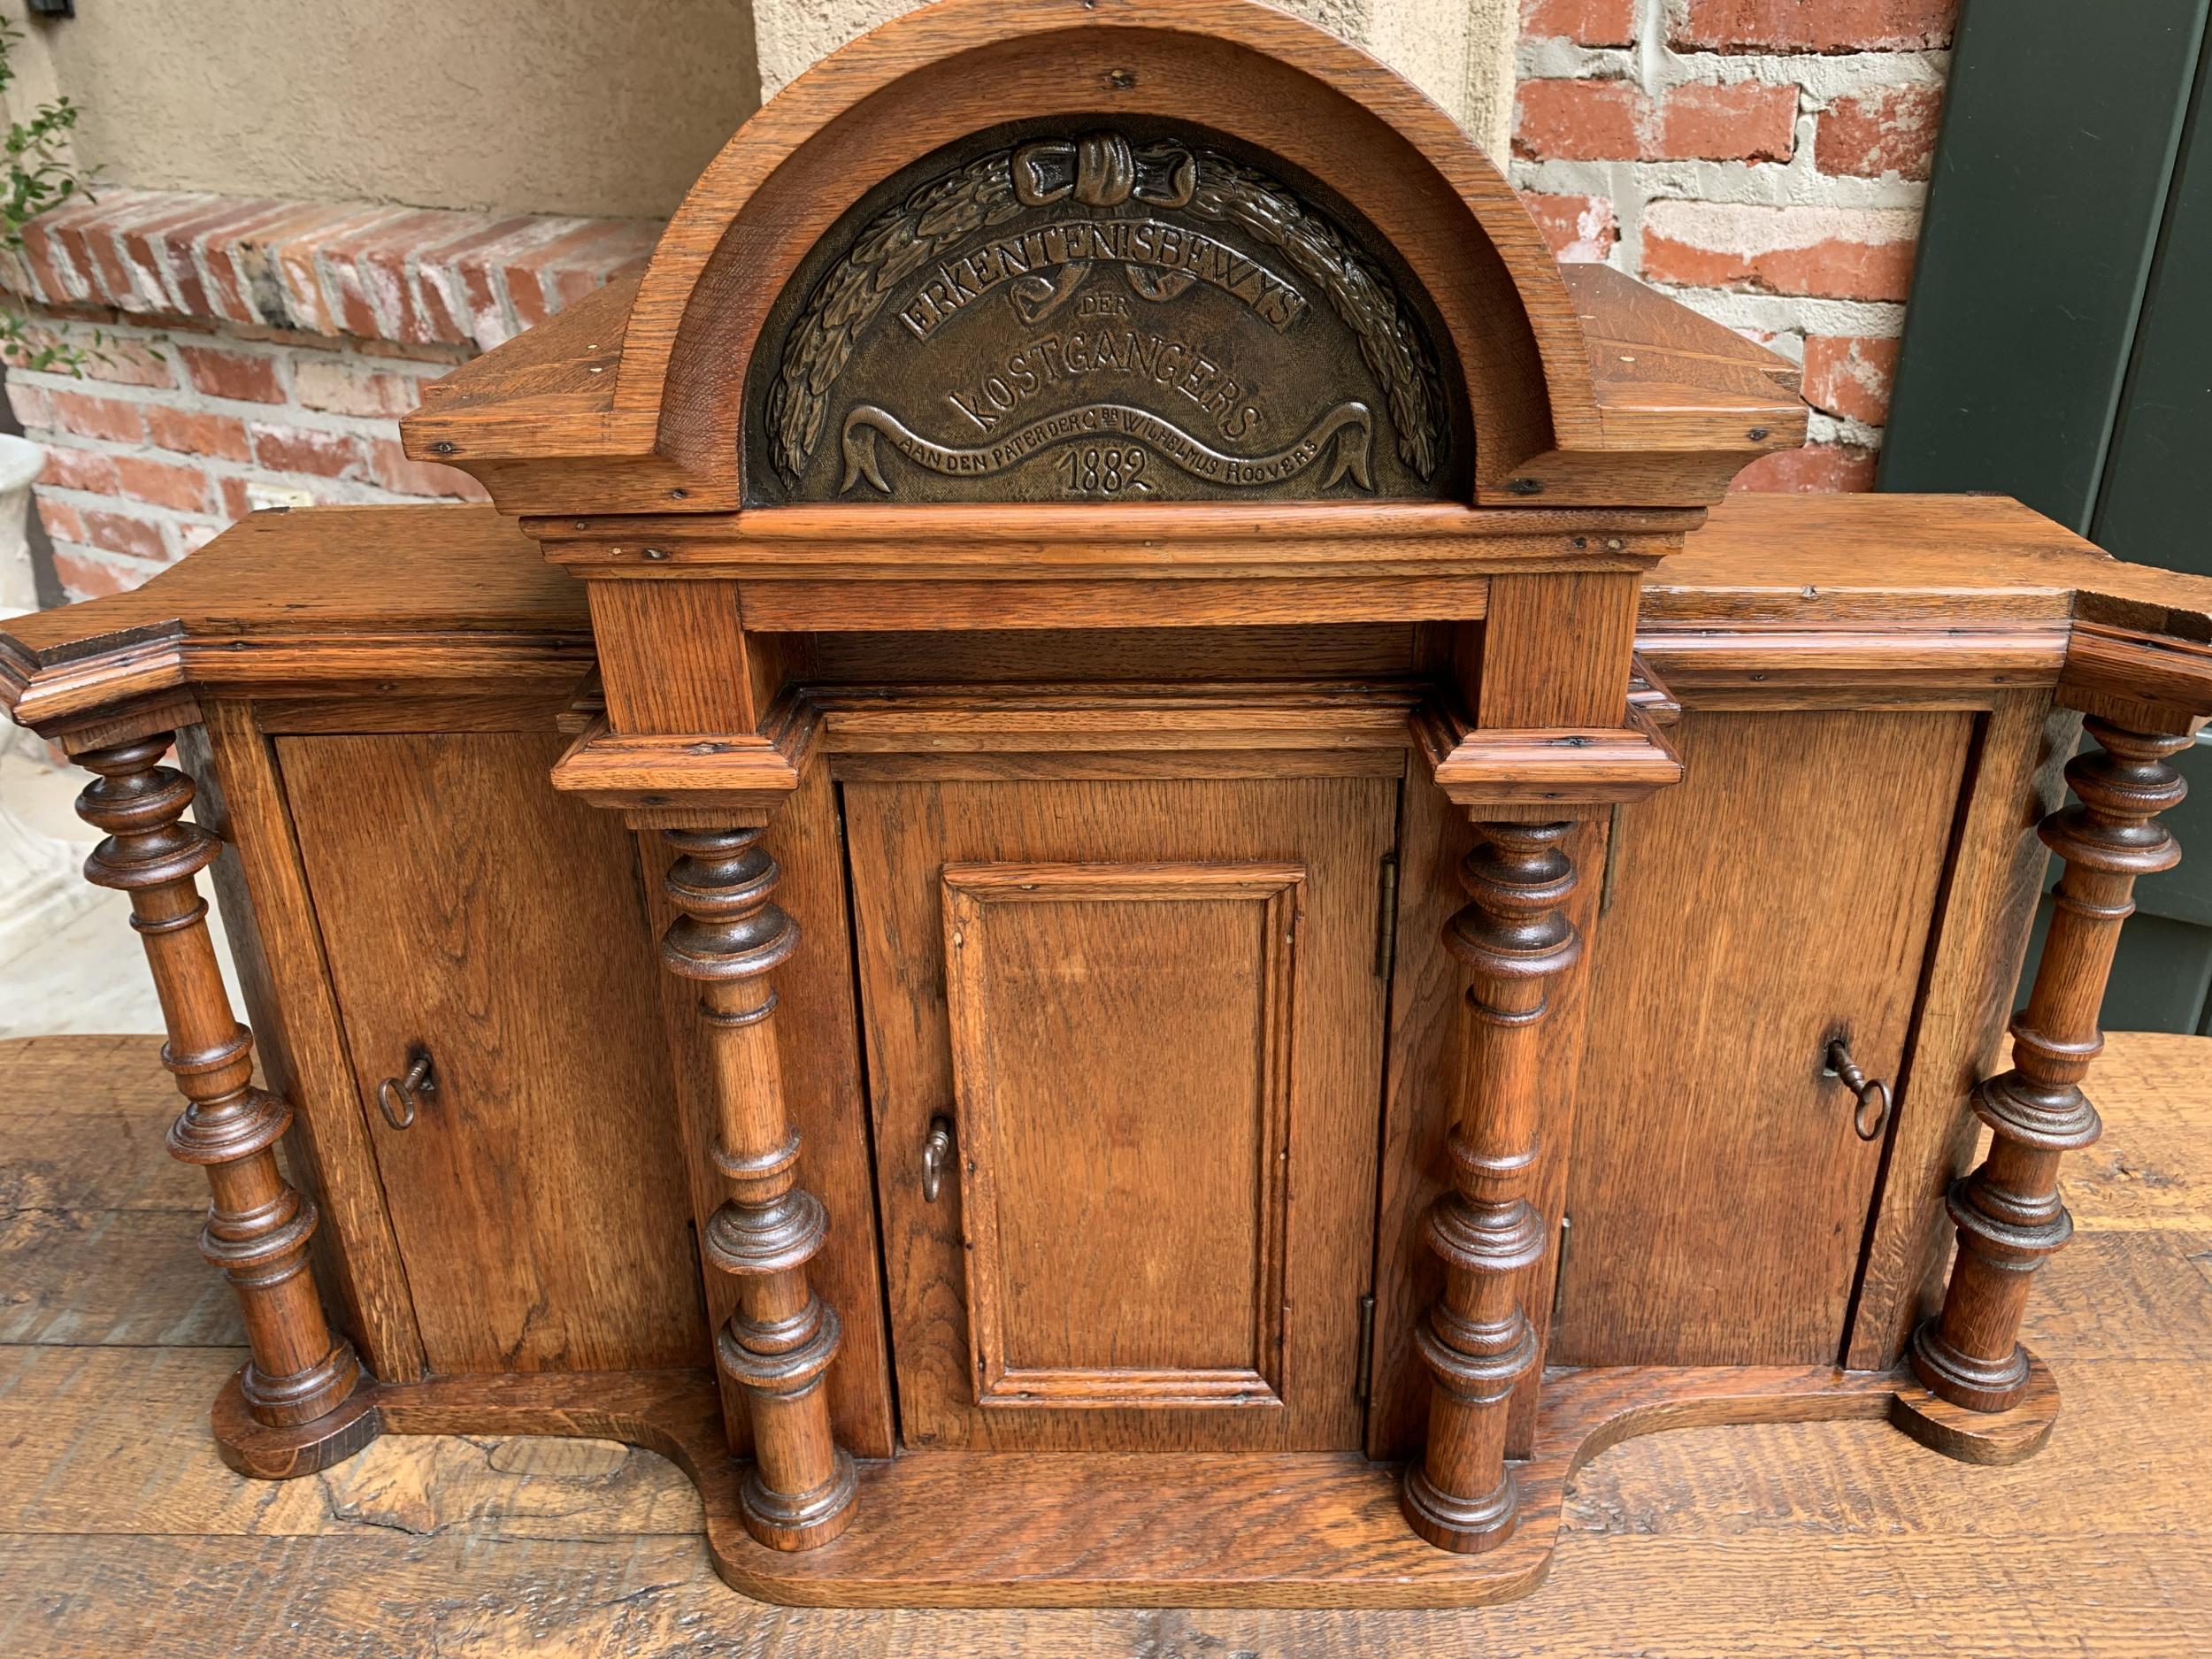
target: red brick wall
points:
(259, 353)
(1761, 160)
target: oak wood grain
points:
(825, 1094)
(578, 1258)
(775, 1350)
(1973, 967)
(276, 947)
(1067, 1145)
(2009, 1213)
(1102, 656)
(1718, 1193)
(1427, 986)
(1774, 595)
(259, 1226)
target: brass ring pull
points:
(397, 1097)
(1873, 1095)
(936, 1150)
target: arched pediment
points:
(924, 216)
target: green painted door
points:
(2058, 347)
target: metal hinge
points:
(1612, 859)
(1364, 1381)
(699, 1276)
(1559, 1271)
(1386, 916)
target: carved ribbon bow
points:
(1099, 170)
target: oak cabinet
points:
(1148, 1015)
(1113, 877)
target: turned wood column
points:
(1476, 1341)
(779, 1341)
(2007, 1211)
(259, 1223)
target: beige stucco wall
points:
(1460, 52)
(546, 106)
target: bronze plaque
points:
(1097, 314)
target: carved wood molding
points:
(752, 772)
(1181, 542)
(55, 692)
(1650, 693)
(734, 778)
(1083, 602)
(1711, 655)
(1478, 768)
(2107, 662)
(1553, 766)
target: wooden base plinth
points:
(1980, 1436)
(252, 1447)
(806, 1522)
(1454, 1523)
(977, 1528)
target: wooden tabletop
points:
(120, 1534)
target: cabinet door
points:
(465, 908)
(1147, 1013)
(1719, 1195)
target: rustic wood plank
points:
(2135, 1296)
(1840, 1480)
(2131, 1590)
(79, 1124)
(112, 1441)
(1729, 1540)
(88, 1277)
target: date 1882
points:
(1091, 470)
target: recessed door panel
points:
(1159, 1076)
(1089, 1005)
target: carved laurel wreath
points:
(946, 213)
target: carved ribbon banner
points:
(1344, 435)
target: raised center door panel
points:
(1148, 1014)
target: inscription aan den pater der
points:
(1043, 323)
